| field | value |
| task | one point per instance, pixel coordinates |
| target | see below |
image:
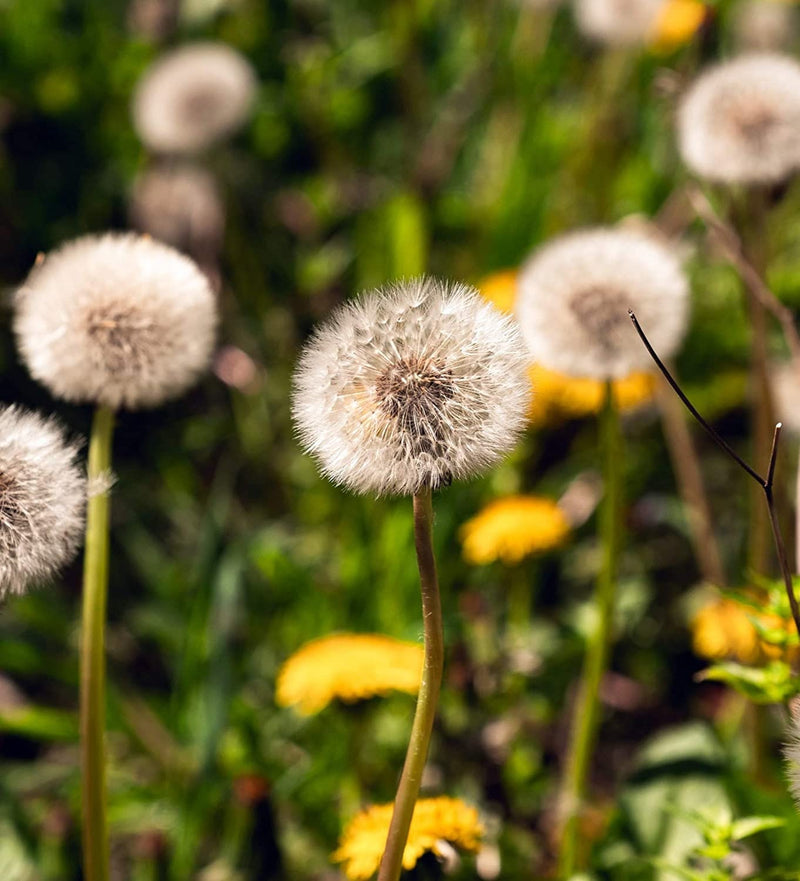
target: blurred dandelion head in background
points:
(411, 386)
(192, 97)
(512, 528)
(42, 499)
(348, 667)
(435, 821)
(764, 25)
(740, 120)
(179, 205)
(116, 320)
(618, 22)
(574, 296)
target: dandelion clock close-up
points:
(411, 386)
(118, 320)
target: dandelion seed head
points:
(740, 120)
(574, 296)
(180, 205)
(117, 320)
(618, 22)
(42, 499)
(411, 386)
(192, 97)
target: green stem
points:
(586, 717)
(93, 672)
(417, 753)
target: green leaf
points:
(40, 723)
(748, 826)
(772, 684)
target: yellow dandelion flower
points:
(500, 289)
(435, 820)
(677, 23)
(511, 528)
(559, 396)
(724, 629)
(350, 667)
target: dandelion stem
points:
(411, 778)
(586, 718)
(93, 676)
(766, 484)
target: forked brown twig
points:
(764, 483)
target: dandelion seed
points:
(436, 823)
(411, 386)
(618, 22)
(512, 528)
(740, 121)
(117, 320)
(349, 667)
(574, 296)
(42, 499)
(180, 205)
(193, 97)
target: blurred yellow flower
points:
(724, 629)
(350, 667)
(677, 22)
(511, 528)
(500, 289)
(435, 820)
(557, 396)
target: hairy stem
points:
(411, 778)
(586, 717)
(93, 672)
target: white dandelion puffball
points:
(192, 97)
(180, 205)
(42, 499)
(740, 121)
(411, 385)
(618, 22)
(118, 320)
(575, 292)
